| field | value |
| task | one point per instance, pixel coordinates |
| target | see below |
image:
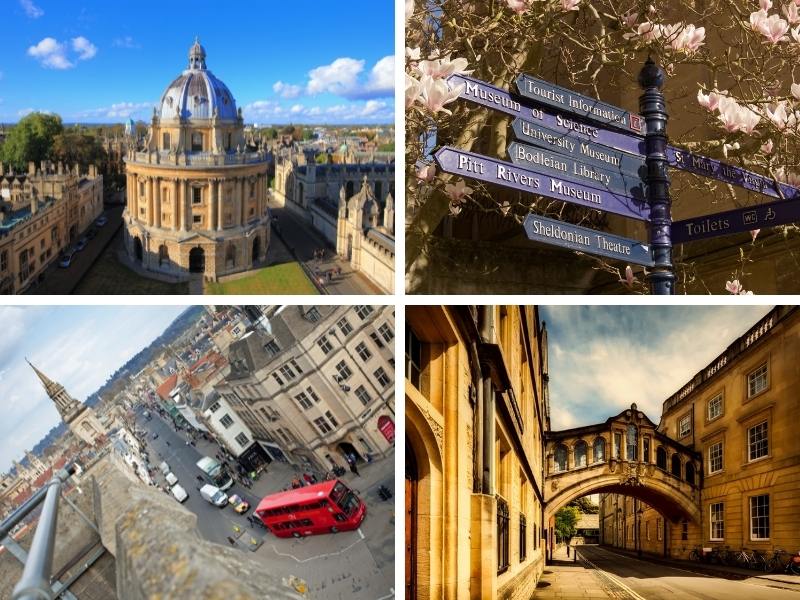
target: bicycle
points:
(790, 566)
(696, 554)
(744, 558)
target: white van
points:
(179, 493)
(164, 468)
(214, 495)
(171, 479)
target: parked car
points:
(179, 493)
(240, 505)
(171, 479)
(101, 220)
(82, 243)
(66, 260)
(214, 495)
(164, 468)
(155, 435)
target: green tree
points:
(566, 520)
(73, 147)
(585, 505)
(31, 139)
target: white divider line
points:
(304, 560)
(613, 579)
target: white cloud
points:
(339, 78)
(381, 79)
(271, 111)
(51, 54)
(27, 111)
(286, 90)
(125, 42)
(33, 11)
(84, 48)
(118, 110)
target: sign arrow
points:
(490, 170)
(567, 167)
(736, 221)
(583, 239)
(563, 99)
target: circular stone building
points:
(196, 195)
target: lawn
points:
(109, 276)
(286, 278)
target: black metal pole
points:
(653, 108)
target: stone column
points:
(220, 205)
(212, 205)
(187, 206)
(157, 202)
(245, 199)
(237, 201)
(175, 204)
(148, 190)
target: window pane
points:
(757, 441)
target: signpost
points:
(490, 170)
(578, 104)
(583, 239)
(736, 221)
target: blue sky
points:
(603, 358)
(78, 346)
(100, 61)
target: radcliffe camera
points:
(640, 123)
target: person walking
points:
(354, 469)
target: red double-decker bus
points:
(325, 507)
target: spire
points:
(49, 384)
(66, 405)
(197, 56)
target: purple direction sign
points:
(709, 167)
(736, 221)
(583, 239)
(490, 170)
(560, 98)
(493, 97)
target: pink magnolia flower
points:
(795, 33)
(689, 39)
(568, 5)
(737, 118)
(735, 288)
(629, 278)
(773, 27)
(765, 4)
(711, 100)
(754, 233)
(413, 53)
(426, 173)
(767, 147)
(792, 13)
(442, 68)
(458, 191)
(795, 89)
(413, 91)
(781, 174)
(780, 116)
(647, 31)
(518, 6)
(728, 147)
(436, 93)
(505, 207)
(455, 208)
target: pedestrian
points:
(296, 483)
(567, 550)
(231, 541)
(354, 469)
(307, 478)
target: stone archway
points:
(347, 449)
(163, 255)
(197, 260)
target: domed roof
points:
(197, 93)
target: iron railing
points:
(35, 583)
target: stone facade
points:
(738, 413)
(476, 414)
(316, 383)
(196, 194)
(42, 213)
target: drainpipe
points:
(487, 481)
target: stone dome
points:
(197, 93)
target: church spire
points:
(66, 405)
(49, 384)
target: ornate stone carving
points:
(436, 427)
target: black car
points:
(82, 243)
(155, 435)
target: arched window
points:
(676, 465)
(631, 443)
(580, 453)
(690, 473)
(163, 254)
(560, 458)
(165, 141)
(599, 450)
(661, 458)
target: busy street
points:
(347, 564)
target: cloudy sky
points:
(603, 358)
(78, 346)
(100, 61)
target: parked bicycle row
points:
(779, 561)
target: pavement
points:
(350, 564)
(602, 573)
(64, 281)
(300, 241)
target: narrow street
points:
(601, 573)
